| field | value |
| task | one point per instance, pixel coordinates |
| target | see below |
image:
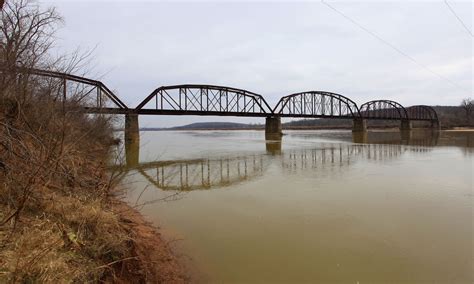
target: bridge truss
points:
(316, 104)
(195, 99)
(422, 112)
(383, 109)
(93, 94)
(204, 100)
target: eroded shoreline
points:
(154, 260)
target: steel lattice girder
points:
(317, 104)
(422, 112)
(102, 89)
(189, 98)
(383, 109)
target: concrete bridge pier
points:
(132, 140)
(405, 125)
(273, 128)
(359, 125)
(132, 153)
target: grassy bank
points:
(60, 218)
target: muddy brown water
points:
(317, 207)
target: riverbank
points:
(81, 231)
(155, 260)
(61, 219)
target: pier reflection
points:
(273, 147)
(461, 139)
(424, 138)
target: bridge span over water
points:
(211, 100)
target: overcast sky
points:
(276, 48)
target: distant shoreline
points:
(295, 128)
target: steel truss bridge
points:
(210, 100)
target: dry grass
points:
(56, 217)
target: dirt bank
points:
(152, 261)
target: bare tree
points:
(468, 105)
(48, 153)
(26, 33)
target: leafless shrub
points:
(468, 107)
(56, 221)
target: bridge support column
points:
(132, 139)
(359, 125)
(273, 128)
(405, 125)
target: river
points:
(317, 207)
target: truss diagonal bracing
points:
(204, 100)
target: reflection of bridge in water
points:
(421, 138)
(202, 174)
(219, 172)
(335, 157)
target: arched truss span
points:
(422, 112)
(78, 89)
(192, 99)
(383, 109)
(316, 104)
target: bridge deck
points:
(235, 114)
